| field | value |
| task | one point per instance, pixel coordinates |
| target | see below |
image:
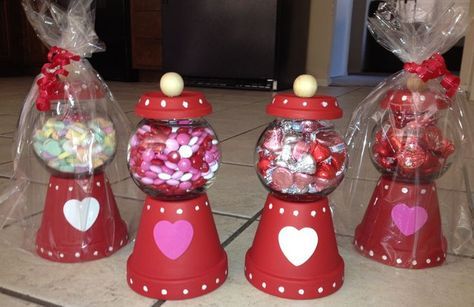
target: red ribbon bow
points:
(433, 68)
(50, 84)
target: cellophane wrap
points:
(409, 135)
(72, 129)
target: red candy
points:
(413, 146)
(300, 158)
(282, 178)
(174, 157)
(326, 171)
(320, 152)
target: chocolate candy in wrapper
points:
(320, 152)
(447, 148)
(282, 178)
(412, 156)
(433, 138)
(432, 165)
(273, 140)
(300, 149)
(291, 169)
(263, 165)
(286, 154)
(388, 163)
(304, 165)
(302, 181)
(337, 160)
(290, 139)
(382, 149)
(325, 171)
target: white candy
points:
(208, 175)
(186, 177)
(193, 140)
(185, 151)
(164, 176)
(214, 167)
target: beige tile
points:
(241, 149)
(8, 123)
(10, 301)
(367, 283)
(128, 189)
(336, 91)
(239, 120)
(237, 191)
(6, 150)
(96, 283)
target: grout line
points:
(349, 92)
(237, 164)
(244, 132)
(22, 219)
(238, 216)
(241, 229)
(27, 298)
(467, 182)
(158, 303)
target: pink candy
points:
(173, 160)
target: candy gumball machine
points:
(411, 146)
(75, 143)
(173, 157)
(300, 159)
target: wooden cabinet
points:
(21, 52)
(146, 34)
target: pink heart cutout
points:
(409, 220)
(173, 239)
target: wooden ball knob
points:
(171, 84)
(415, 84)
(305, 86)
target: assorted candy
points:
(75, 145)
(301, 157)
(173, 158)
(411, 149)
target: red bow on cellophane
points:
(433, 68)
(49, 84)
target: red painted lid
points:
(408, 101)
(188, 104)
(293, 107)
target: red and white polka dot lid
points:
(405, 100)
(79, 90)
(304, 104)
(172, 102)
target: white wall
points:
(341, 39)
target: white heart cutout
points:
(81, 214)
(297, 245)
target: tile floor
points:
(239, 117)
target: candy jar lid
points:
(416, 97)
(172, 102)
(304, 104)
(79, 90)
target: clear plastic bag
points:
(69, 147)
(406, 197)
